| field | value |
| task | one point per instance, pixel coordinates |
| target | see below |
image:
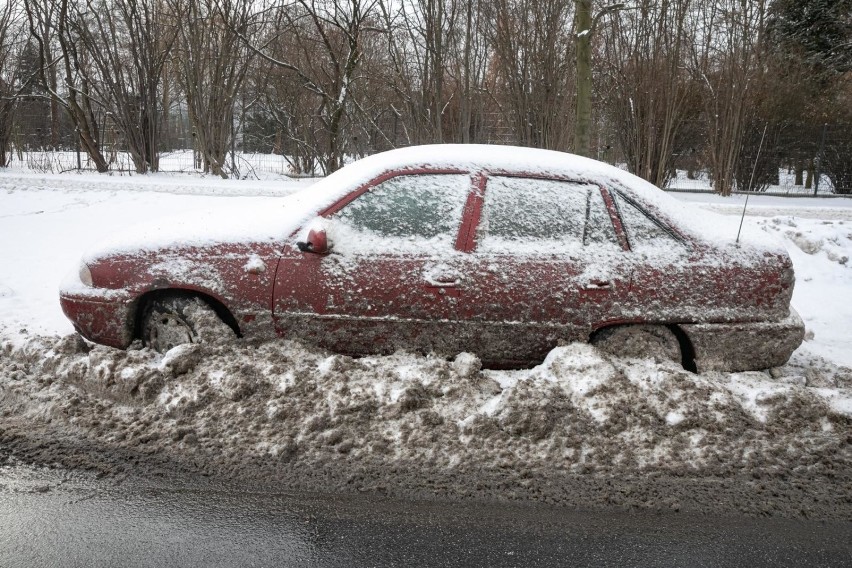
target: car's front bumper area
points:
(105, 319)
(734, 347)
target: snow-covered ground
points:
(47, 221)
(702, 181)
(581, 411)
(248, 165)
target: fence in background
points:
(30, 153)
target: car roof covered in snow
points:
(274, 223)
(699, 223)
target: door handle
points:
(442, 276)
(443, 280)
(598, 285)
(255, 265)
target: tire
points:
(639, 341)
(170, 321)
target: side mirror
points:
(316, 241)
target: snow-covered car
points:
(499, 251)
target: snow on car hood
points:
(262, 220)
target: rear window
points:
(643, 232)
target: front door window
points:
(407, 214)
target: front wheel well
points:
(145, 300)
(687, 350)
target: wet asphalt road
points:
(54, 518)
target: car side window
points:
(642, 231)
(406, 210)
(538, 215)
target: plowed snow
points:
(226, 405)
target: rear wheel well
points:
(145, 300)
(687, 350)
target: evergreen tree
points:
(816, 32)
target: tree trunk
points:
(583, 31)
(809, 181)
(465, 107)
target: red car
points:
(499, 251)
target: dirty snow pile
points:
(241, 409)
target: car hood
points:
(266, 220)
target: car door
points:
(388, 280)
(546, 265)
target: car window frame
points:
(471, 216)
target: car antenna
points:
(751, 181)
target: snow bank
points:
(580, 411)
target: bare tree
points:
(726, 61)
(319, 45)
(284, 112)
(533, 75)
(11, 81)
(128, 43)
(421, 42)
(213, 60)
(434, 21)
(439, 52)
(583, 58)
(50, 23)
(645, 85)
(471, 58)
